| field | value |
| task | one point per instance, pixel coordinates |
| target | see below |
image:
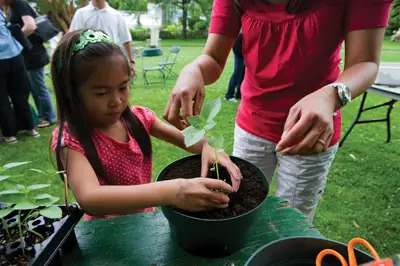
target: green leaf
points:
(4, 177)
(216, 141)
(7, 185)
(45, 199)
(38, 186)
(11, 196)
(20, 187)
(10, 191)
(210, 124)
(211, 109)
(25, 205)
(197, 121)
(192, 135)
(52, 212)
(11, 165)
(5, 212)
(43, 196)
(37, 170)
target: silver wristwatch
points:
(343, 92)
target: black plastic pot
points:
(206, 237)
(60, 238)
(302, 251)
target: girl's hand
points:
(309, 126)
(208, 158)
(201, 194)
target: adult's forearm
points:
(359, 77)
(128, 49)
(208, 67)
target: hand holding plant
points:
(201, 194)
(202, 126)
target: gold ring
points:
(320, 141)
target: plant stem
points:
(216, 162)
(6, 228)
(20, 233)
(66, 189)
(34, 232)
(26, 218)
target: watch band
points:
(343, 92)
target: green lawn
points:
(361, 197)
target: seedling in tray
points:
(19, 198)
(202, 125)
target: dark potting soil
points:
(251, 192)
(11, 249)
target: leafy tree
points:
(60, 11)
(139, 7)
(204, 6)
(394, 19)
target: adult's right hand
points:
(201, 194)
(188, 88)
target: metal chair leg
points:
(388, 120)
(360, 110)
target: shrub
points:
(140, 33)
(172, 31)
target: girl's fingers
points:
(217, 185)
(218, 197)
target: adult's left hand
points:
(309, 125)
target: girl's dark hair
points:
(292, 7)
(69, 71)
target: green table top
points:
(144, 239)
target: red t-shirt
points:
(290, 56)
(123, 163)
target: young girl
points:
(104, 145)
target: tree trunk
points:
(184, 18)
(62, 11)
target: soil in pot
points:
(251, 192)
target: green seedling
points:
(50, 173)
(6, 180)
(202, 126)
(23, 198)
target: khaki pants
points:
(301, 179)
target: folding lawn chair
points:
(149, 67)
(169, 62)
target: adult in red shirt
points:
(293, 89)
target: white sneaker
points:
(233, 100)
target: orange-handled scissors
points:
(350, 250)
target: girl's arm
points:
(192, 195)
(174, 136)
(206, 69)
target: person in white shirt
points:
(98, 15)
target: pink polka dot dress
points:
(123, 163)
